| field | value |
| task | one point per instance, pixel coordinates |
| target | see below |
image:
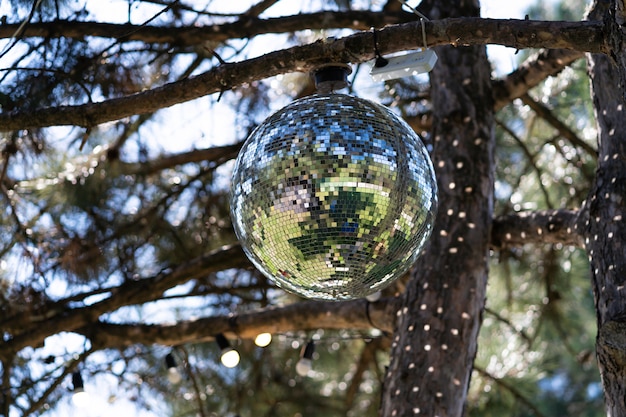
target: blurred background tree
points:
(117, 239)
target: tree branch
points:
(60, 317)
(546, 63)
(550, 226)
(304, 315)
(367, 357)
(56, 382)
(533, 71)
(581, 36)
(512, 389)
(545, 113)
(182, 36)
(260, 7)
(531, 160)
(217, 154)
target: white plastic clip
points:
(413, 63)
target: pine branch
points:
(216, 154)
(534, 70)
(367, 357)
(546, 63)
(531, 160)
(260, 7)
(38, 403)
(247, 26)
(63, 318)
(546, 114)
(304, 315)
(550, 226)
(356, 48)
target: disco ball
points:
(333, 197)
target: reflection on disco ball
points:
(333, 197)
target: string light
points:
(263, 339)
(173, 374)
(304, 365)
(229, 357)
(80, 398)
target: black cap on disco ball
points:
(331, 77)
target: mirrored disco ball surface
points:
(333, 197)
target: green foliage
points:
(537, 340)
(539, 168)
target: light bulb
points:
(81, 399)
(263, 339)
(305, 363)
(173, 376)
(303, 366)
(230, 358)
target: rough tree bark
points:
(437, 325)
(602, 218)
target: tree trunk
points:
(437, 325)
(602, 219)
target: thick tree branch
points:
(546, 63)
(246, 27)
(533, 71)
(581, 36)
(305, 315)
(550, 226)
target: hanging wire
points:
(413, 9)
(380, 60)
(423, 19)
